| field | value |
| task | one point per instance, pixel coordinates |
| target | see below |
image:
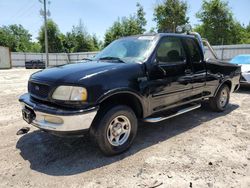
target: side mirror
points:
(161, 71)
(157, 71)
(156, 61)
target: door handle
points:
(188, 71)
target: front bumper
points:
(56, 120)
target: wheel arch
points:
(227, 82)
(122, 97)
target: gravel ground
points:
(197, 149)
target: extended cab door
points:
(171, 75)
(195, 58)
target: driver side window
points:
(170, 51)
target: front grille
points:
(38, 90)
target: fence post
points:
(24, 58)
(222, 54)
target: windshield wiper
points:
(87, 59)
(112, 58)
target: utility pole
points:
(174, 27)
(44, 13)
(46, 34)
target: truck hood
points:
(73, 73)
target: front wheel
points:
(114, 129)
(221, 100)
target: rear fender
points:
(226, 81)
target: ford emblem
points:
(37, 88)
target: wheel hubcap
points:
(118, 130)
(223, 98)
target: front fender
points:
(120, 91)
(141, 99)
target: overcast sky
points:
(97, 15)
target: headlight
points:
(70, 93)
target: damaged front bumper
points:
(56, 120)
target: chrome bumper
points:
(61, 120)
(62, 123)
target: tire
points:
(221, 100)
(114, 129)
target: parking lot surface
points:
(197, 149)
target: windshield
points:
(134, 49)
(241, 59)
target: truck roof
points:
(161, 35)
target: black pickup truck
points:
(147, 77)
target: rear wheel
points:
(221, 100)
(114, 129)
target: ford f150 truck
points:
(147, 77)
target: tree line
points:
(217, 24)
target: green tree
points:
(109, 36)
(35, 47)
(6, 39)
(217, 23)
(132, 25)
(67, 41)
(120, 28)
(96, 43)
(152, 30)
(169, 14)
(54, 42)
(16, 38)
(79, 40)
(140, 18)
(245, 35)
(248, 27)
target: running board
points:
(182, 111)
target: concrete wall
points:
(18, 59)
(5, 60)
(227, 52)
